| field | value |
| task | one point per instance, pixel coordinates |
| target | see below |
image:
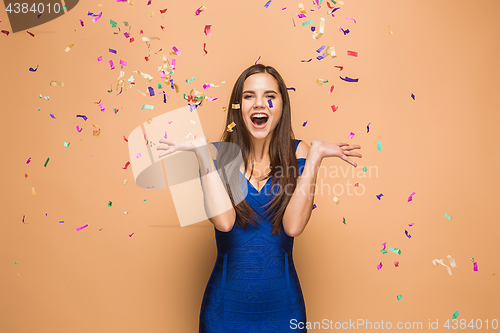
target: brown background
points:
(442, 145)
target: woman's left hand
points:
(330, 149)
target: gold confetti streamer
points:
(230, 127)
(69, 47)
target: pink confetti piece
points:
(384, 245)
(146, 139)
(335, 108)
(198, 11)
(176, 50)
(351, 19)
(352, 53)
(126, 34)
(138, 155)
(475, 267)
(350, 136)
(81, 22)
(28, 161)
(149, 2)
(410, 197)
(170, 121)
(301, 15)
(102, 107)
(331, 89)
(173, 63)
(99, 59)
(123, 63)
(396, 263)
(78, 129)
(162, 75)
(283, 8)
(97, 17)
(5, 32)
(111, 64)
(208, 29)
(165, 136)
(379, 266)
(80, 228)
(211, 99)
(411, 224)
(205, 48)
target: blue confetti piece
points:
(320, 57)
(151, 91)
(346, 31)
(313, 29)
(368, 128)
(407, 234)
(33, 70)
(267, 4)
(53, 116)
(379, 196)
(335, 9)
(164, 98)
(270, 103)
(304, 124)
(306, 60)
(192, 107)
(256, 61)
(112, 51)
(413, 96)
(84, 117)
(291, 88)
(348, 79)
(314, 206)
(321, 49)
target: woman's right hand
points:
(189, 145)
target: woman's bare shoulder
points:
(302, 150)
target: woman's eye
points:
(270, 96)
(247, 96)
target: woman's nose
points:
(259, 102)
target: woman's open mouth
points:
(259, 120)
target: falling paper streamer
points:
(33, 70)
(69, 47)
(148, 107)
(455, 314)
(399, 297)
(307, 23)
(350, 136)
(317, 35)
(379, 266)
(440, 261)
(475, 267)
(267, 4)
(395, 250)
(176, 52)
(236, 106)
(379, 195)
(336, 200)
(270, 103)
(208, 30)
(410, 197)
(352, 53)
(452, 261)
(396, 263)
(230, 127)
(80, 228)
(407, 234)
(447, 216)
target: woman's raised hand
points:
(330, 149)
(186, 145)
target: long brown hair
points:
(281, 154)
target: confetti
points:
(306, 60)
(176, 52)
(410, 197)
(123, 63)
(379, 266)
(199, 10)
(151, 91)
(331, 89)
(364, 169)
(126, 165)
(82, 116)
(399, 297)
(267, 4)
(149, 13)
(350, 19)
(208, 30)
(256, 61)
(384, 251)
(163, 10)
(334, 108)
(33, 70)
(283, 8)
(317, 35)
(301, 15)
(33, 191)
(69, 47)
(336, 200)
(343, 220)
(321, 49)
(31, 34)
(475, 267)
(66, 144)
(455, 314)
(205, 48)
(97, 17)
(102, 107)
(126, 34)
(307, 23)
(112, 51)
(270, 103)
(148, 107)
(368, 128)
(447, 216)
(339, 67)
(291, 88)
(236, 106)
(53, 117)
(230, 127)
(348, 79)
(111, 64)
(80, 228)
(411, 224)
(47, 161)
(28, 161)
(301, 8)
(395, 250)
(413, 96)
(56, 83)
(345, 31)
(191, 79)
(380, 195)
(350, 136)
(99, 59)
(396, 263)
(304, 124)
(352, 53)
(440, 261)
(407, 234)
(78, 129)
(379, 145)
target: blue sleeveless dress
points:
(254, 286)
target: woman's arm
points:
(299, 208)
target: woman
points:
(254, 286)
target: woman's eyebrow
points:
(265, 92)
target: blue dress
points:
(254, 286)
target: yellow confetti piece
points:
(33, 191)
(56, 83)
(330, 51)
(230, 127)
(321, 81)
(125, 182)
(236, 106)
(69, 47)
(96, 132)
(301, 8)
(388, 30)
(149, 121)
(317, 35)
(224, 108)
(125, 212)
(149, 13)
(336, 200)
(176, 88)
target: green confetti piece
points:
(126, 23)
(364, 169)
(191, 79)
(113, 23)
(147, 106)
(399, 297)
(307, 23)
(335, 2)
(343, 220)
(455, 315)
(379, 145)
(110, 204)
(38, 109)
(66, 144)
(320, 1)
(384, 251)
(293, 22)
(145, 199)
(62, 9)
(47, 161)
(326, 81)
(159, 85)
(447, 216)
(395, 250)
(15, 262)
